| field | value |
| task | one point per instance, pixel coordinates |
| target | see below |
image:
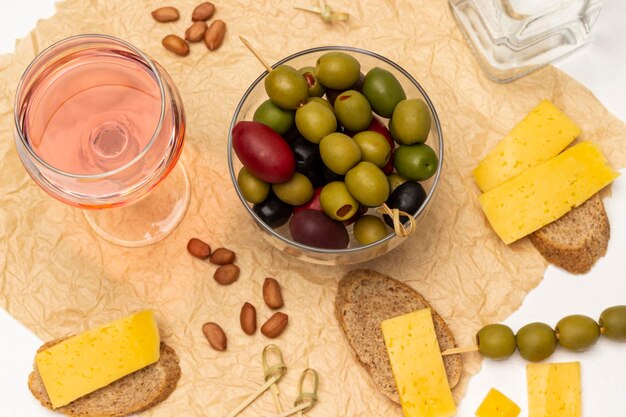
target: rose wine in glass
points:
(99, 125)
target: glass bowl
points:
(354, 253)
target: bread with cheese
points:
(578, 239)
(131, 394)
(364, 299)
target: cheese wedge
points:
(497, 404)
(540, 136)
(91, 360)
(417, 365)
(546, 192)
(553, 389)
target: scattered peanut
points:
(215, 335)
(275, 325)
(214, 36)
(226, 274)
(176, 44)
(203, 12)
(247, 318)
(166, 14)
(198, 248)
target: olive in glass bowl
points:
(304, 141)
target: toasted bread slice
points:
(134, 393)
(578, 239)
(364, 299)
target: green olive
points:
(316, 89)
(273, 116)
(410, 122)
(337, 202)
(314, 121)
(577, 332)
(297, 191)
(286, 87)
(613, 320)
(321, 101)
(383, 91)
(253, 189)
(368, 184)
(339, 152)
(338, 70)
(536, 341)
(374, 147)
(416, 162)
(395, 180)
(369, 229)
(496, 341)
(353, 111)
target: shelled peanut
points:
(226, 274)
(212, 34)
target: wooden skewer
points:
(276, 397)
(277, 370)
(253, 397)
(326, 13)
(295, 410)
(308, 9)
(255, 53)
(464, 349)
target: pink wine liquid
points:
(93, 111)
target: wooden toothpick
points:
(464, 349)
(298, 409)
(253, 397)
(277, 370)
(325, 12)
(273, 374)
(255, 53)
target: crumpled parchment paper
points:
(58, 278)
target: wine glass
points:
(100, 126)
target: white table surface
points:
(601, 66)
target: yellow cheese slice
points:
(540, 136)
(554, 389)
(546, 192)
(91, 360)
(417, 365)
(497, 404)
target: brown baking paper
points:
(58, 278)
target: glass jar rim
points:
(41, 56)
(349, 250)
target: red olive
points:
(313, 204)
(378, 126)
(314, 228)
(264, 152)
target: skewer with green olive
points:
(537, 341)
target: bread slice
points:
(364, 299)
(134, 393)
(578, 239)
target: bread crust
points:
(157, 380)
(353, 302)
(577, 240)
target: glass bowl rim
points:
(314, 249)
(37, 60)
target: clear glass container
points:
(512, 38)
(280, 238)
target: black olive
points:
(408, 197)
(308, 160)
(273, 211)
(331, 176)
